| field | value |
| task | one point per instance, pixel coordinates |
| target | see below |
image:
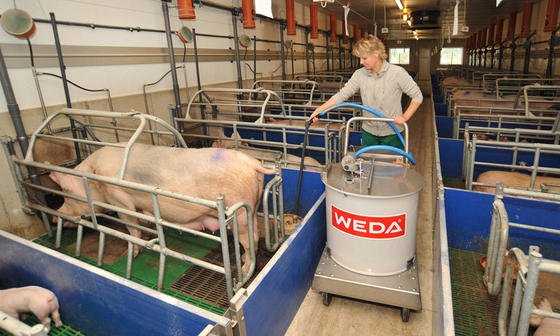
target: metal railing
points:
(521, 309)
(101, 212)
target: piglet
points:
(31, 299)
(547, 326)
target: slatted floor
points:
(474, 311)
(203, 283)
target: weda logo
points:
(368, 226)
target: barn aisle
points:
(353, 317)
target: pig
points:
(547, 326)
(512, 180)
(464, 97)
(293, 161)
(204, 173)
(31, 299)
(454, 81)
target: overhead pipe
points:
(248, 15)
(333, 26)
(234, 14)
(355, 33)
(290, 18)
(177, 107)
(314, 21)
(186, 10)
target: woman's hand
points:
(399, 120)
(314, 115)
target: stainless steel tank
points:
(371, 215)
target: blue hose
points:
(370, 110)
(385, 147)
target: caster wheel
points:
(405, 314)
(327, 299)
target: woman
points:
(381, 86)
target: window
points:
(399, 55)
(451, 56)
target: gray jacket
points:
(381, 92)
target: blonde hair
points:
(369, 45)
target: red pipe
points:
(248, 18)
(314, 24)
(186, 10)
(344, 36)
(356, 35)
(526, 26)
(511, 26)
(551, 17)
(333, 27)
(290, 17)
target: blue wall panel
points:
(440, 107)
(444, 127)
(90, 302)
(451, 157)
(468, 217)
(270, 309)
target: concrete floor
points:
(346, 316)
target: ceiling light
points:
(417, 38)
(405, 17)
(399, 3)
(409, 23)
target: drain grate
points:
(474, 311)
(203, 283)
(210, 286)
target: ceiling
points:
(479, 14)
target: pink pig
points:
(204, 173)
(31, 299)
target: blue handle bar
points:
(385, 147)
(370, 110)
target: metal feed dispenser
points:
(371, 212)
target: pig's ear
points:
(236, 136)
(55, 176)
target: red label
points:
(372, 227)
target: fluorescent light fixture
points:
(405, 17)
(399, 3)
(409, 23)
(417, 37)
